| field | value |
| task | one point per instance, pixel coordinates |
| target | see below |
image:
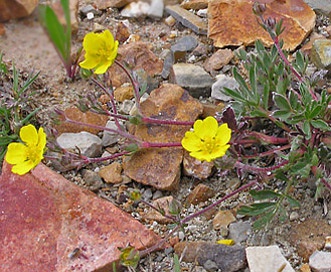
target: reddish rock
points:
(123, 93)
(195, 168)
(162, 203)
(138, 56)
(160, 167)
(122, 32)
(104, 4)
(200, 194)
(223, 219)
(309, 236)
(219, 59)
(85, 117)
(50, 224)
(112, 173)
(228, 30)
(13, 9)
(73, 7)
(2, 30)
(194, 4)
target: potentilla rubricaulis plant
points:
(277, 127)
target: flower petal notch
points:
(100, 51)
(26, 155)
(207, 141)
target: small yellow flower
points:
(28, 154)
(100, 51)
(207, 141)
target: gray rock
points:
(320, 261)
(89, 144)
(110, 138)
(188, 19)
(321, 53)
(239, 231)
(210, 266)
(217, 89)
(270, 258)
(168, 61)
(126, 106)
(193, 78)
(92, 179)
(323, 6)
(185, 44)
(225, 258)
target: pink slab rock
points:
(48, 223)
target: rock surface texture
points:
(66, 228)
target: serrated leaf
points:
(263, 194)
(263, 221)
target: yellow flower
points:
(100, 51)
(227, 242)
(28, 154)
(207, 141)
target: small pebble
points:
(294, 216)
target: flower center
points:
(208, 144)
(33, 154)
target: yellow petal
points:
(108, 37)
(201, 155)
(102, 68)
(23, 168)
(16, 153)
(91, 43)
(206, 128)
(191, 142)
(41, 138)
(29, 135)
(219, 151)
(223, 135)
(90, 62)
(228, 242)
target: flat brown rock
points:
(13, 9)
(49, 224)
(225, 29)
(160, 167)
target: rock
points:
(88, 144)
(13, 9)
(305, 268)
(140, 8)
(110, 138)
(84, 117)
(183, 45)
(195, 168)
(122, 32)
(306, 48)
(104, 4)
(321, 53)
(123, 93)
(138, 56)
(200, 193)
(227, 258)
(193, 78)
(2, 30)
(162, 203)
(188, 19)
(270, 258)
(219, 59)
(126, 107)
(320, 261)
(228, 30)
(160, 167)
(223, 219)
(327, 245)
(194, 4)
(50, 224)
(309, 236)
(239, 231)
(73, 7)
(294, 216)
(92, 180)
(112, 173)
(168, 61)
(223, 81)
(322, 6)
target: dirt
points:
(28, 47)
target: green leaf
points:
(263, 194)
(306, 129)
(281, 102)
(320, 124)
(176, 263)
(263, 221)
(293, 202)
(281, 114)
(256, 208)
